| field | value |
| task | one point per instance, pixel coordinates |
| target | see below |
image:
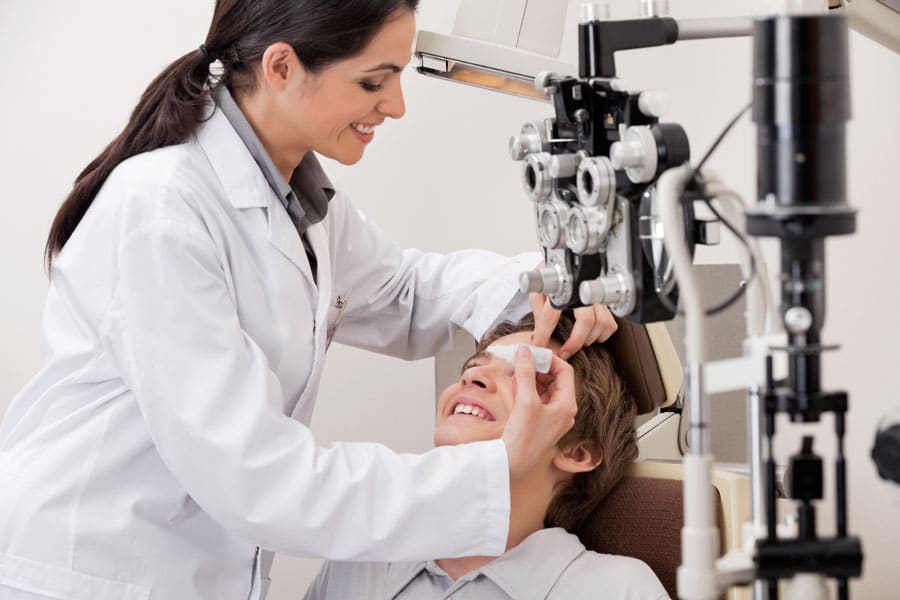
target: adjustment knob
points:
(536, 178)
(597, 291)
(593, 11)
(547, 280)
(552, 217)
(636, 152)
(530, 140)
(596, 180)
(563, 166)
(653, 103)
(615, 289)
(586, 230)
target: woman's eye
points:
(370, 86)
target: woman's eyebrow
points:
(385, 67)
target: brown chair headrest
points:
(642, 518)
(647, 361)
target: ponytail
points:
(168, 113)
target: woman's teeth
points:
(469, 410)
(363, 129)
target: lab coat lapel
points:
(318, 239)
(246, 186)
(284, 236)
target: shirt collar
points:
(400, 574)
(309, 183)
(530, 570)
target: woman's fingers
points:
(584, 323)
(604, 325)
(537, 303)
(538, 422)
(593, 324)
(545, 320)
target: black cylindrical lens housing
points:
(801, 104)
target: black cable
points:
(742, 289)
(722, 135)
(746, 282)
(698, 181)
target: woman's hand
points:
(592, 324)
(544, 411)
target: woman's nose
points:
(392, 103)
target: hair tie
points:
(210, 57)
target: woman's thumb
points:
(525, 376)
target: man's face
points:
(477, 406)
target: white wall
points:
(441, 179)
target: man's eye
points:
(370, 86)
(470, 364)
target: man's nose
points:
(478, 377)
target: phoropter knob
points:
(547, 280)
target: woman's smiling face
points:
(476, 407)
(336, 110)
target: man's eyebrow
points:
(476, 356)
(385, 67)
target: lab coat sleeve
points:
(405, 302)
(213, 410)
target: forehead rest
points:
(648, 362)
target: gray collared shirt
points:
(307, 194)
(550, 564)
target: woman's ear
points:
(279, 66)
(579, 458)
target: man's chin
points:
(454, 436)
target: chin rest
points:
(647, 360)
(643, 515)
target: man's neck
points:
(529, 500)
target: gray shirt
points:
(307, 194)
(550, 564)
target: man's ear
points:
(579, 458)
(279, 65)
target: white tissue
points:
(542, 356)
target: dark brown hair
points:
(320, 31)
(605, 419)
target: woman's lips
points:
(368, 131)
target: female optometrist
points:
(199, 269)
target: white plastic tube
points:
(697, 578)
(762, 318)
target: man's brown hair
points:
(605, 419)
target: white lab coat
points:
(165, 439)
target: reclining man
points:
(542, 559)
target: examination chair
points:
(642, 517)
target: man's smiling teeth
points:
(363, 129)
(469, 410)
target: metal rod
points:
(843, 589)
(699, 409)
(760, 590)
(771, 530)
(699, 29)
(757, 473)
(840, 477)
